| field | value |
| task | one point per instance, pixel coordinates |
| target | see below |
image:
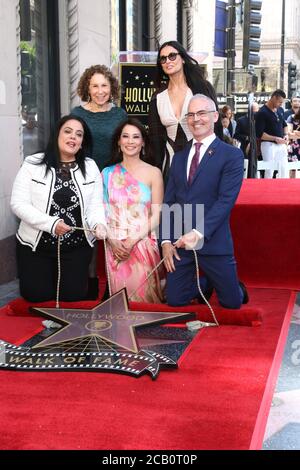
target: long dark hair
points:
(194, 76)
(116, 155)
(297, 116)
(192, 70)
(52, 155)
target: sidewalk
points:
(9, 292)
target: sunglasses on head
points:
(172, 56)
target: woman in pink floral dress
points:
(133, 193)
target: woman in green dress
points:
(98, 89)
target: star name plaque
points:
(77, 344)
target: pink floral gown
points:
(128, 205)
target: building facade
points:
(266, 76)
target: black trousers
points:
(38, 273)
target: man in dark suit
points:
(207, 173)
(242, 131)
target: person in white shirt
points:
(53, 193)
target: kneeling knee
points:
(175, 300)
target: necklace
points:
(277, 116)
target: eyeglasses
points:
(199, 114)
(172, 56)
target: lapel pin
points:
(210, 152)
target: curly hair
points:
(84, 82)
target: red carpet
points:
(246, 316)
(258, 434)
(17, 329)
(211, 402)
(218, 398)
(266, 231)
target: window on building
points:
(134, 25)
(39, 72)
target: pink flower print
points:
(137, 252)
(124, 269)
(134, 193)
(118, 181)
(136, 211)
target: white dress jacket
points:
(32, 195)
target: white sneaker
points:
(51, 324)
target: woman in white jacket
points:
(52, 193)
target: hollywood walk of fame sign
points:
(78, 344)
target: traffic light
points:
(251, 32)
(292, 79)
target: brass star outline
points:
(123, 322)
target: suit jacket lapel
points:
(186, 160)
